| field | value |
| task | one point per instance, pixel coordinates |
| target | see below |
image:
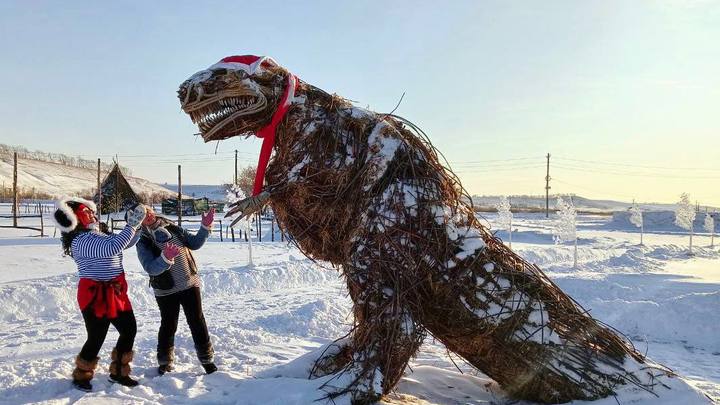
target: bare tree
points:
(636, 219)
(710, 227)
(685, 215)
(246, 180)
(566, 225)
(505, 216)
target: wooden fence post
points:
(15, 191)
(259, 225)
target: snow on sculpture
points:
(505, 217)
(636, 219)
(367, 193)
(685, 215)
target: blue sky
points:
(625, 95)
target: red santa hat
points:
(248, 63)
(65, 217)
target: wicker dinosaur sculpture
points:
(367, 192)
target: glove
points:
(208, 218)
(170, 251)
(135, 215)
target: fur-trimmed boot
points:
(83, 373)
(166, 358)
(120, 368)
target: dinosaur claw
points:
(233, 211)
(235, 221)
(247, 206)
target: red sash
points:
(268, 133)
(107, 298)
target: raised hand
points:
(208, 218)
(170, 251)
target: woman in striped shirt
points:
(102, 289)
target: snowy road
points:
(262, 317)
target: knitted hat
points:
(65, 216)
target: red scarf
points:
(107, 298)
(268, 133)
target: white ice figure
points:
(685, 215)
(247, 232)
(636, 219)
(710, 227)
(565, 226)
(505, 217)
(233, 195)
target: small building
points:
(190, 206)
(116, 192)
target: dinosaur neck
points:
(311, 108)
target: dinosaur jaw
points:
(228, 114)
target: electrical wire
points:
(636, 165)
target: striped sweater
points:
(99, 256)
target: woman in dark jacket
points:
(102, 289)
(165, 253)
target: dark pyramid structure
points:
(116, 192)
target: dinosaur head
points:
(236, 96)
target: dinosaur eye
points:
(240, 74)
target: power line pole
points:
(99, 204)
(235, 168)
(547, 189)
(180, 203)
(116, 161)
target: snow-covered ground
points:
(264, 318)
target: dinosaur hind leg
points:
(384, 339)
(339, 353)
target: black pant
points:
(169, 313)
(97, 329)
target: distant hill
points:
(51, 179)
(211, 191)
(525, 202)
(530, 203)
